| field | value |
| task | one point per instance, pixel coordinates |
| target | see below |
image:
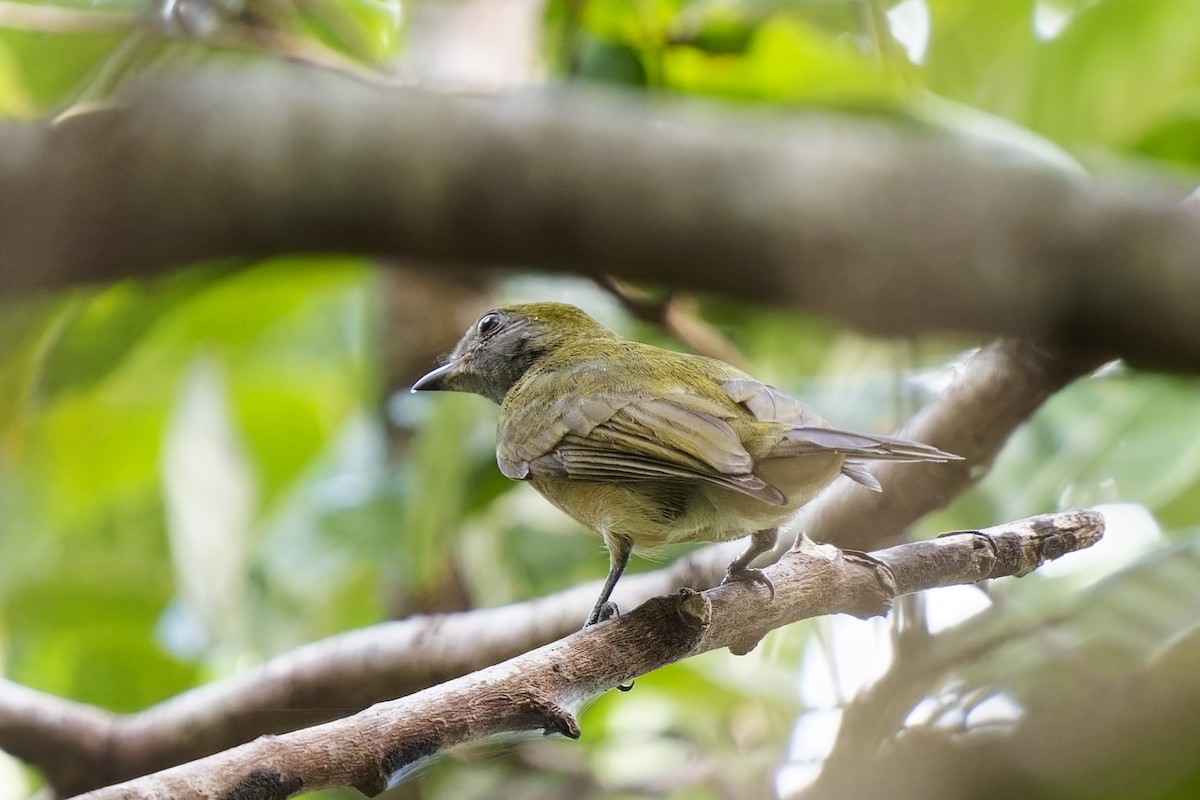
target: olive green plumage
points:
(648, 446)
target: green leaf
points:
(989, 130)
(1175, 140)
(609, 62)
(24, 327)
(14, 100)
(97, 331)
(788, 60)
(720, 33)
(286, 425)
(636, 22)
(434, 494)
(1119, 70)
(369, 30)
(52, 67)
(982, 53)
(85, 623)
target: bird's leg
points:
(740, 569)
(619, 548)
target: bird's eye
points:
(488, 323)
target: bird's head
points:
(504, 343)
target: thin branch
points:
(57, 19)
(542, 689)
(890, 229)
(677, 315)
(874, 716)
(67, 739)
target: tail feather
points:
(858, 446)
(857, 472)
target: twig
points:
(677, 316)
(56, 19)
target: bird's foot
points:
(609, 611)
(602, 613)
(737, 572)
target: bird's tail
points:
(858, 448)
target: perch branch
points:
(542, 689)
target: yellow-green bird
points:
(647, 446)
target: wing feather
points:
(611, 436)
(768, 404)
(678, 430)
(857, 472)
(581, 461)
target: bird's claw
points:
(749, 575)
(602, 613)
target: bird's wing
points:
(613, 437)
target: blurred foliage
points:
(76, 53)
(260, 385)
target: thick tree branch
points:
(543, 688)
(886, 228)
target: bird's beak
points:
(435, 380)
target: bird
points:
(648, 446)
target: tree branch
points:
(889, 229)
(542, 689)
